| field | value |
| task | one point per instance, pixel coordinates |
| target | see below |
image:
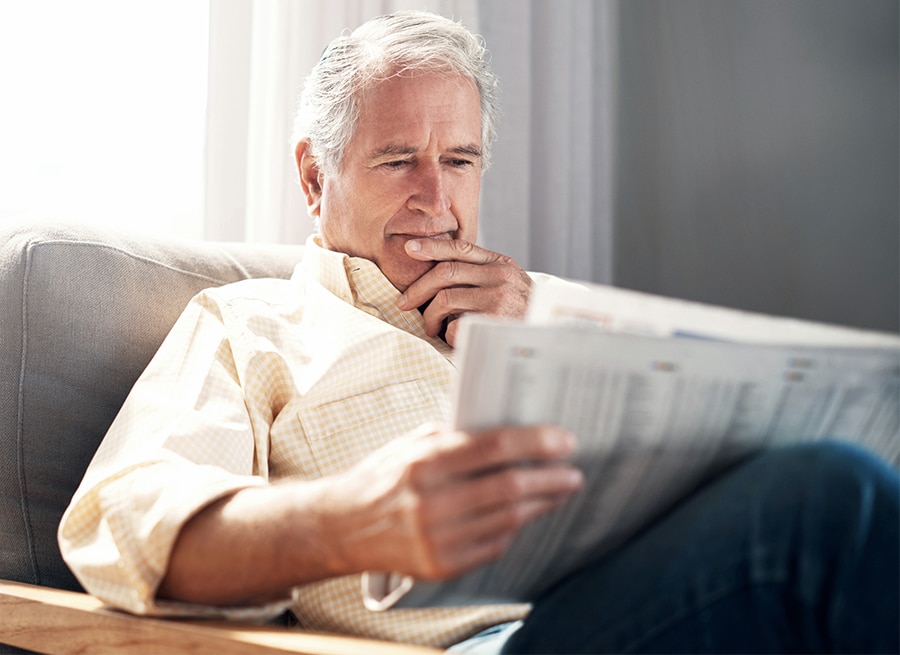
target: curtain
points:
(546, 200)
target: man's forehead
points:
(406, 114)
(402, 96)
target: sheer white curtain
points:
(546, 201)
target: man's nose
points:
(430, 194)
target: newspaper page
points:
(562, 302)
(656, 415)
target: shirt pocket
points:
(341, 432)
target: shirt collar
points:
(359, 282)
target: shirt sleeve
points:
(184, 438)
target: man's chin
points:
(403, 275)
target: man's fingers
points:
(450, 330)
(506, 492)
(446, 275)
(461, 454)
(437, 502)
(475, 521)
(466, 278)
(500, 288)
(459, 263)
(449, 250)
(465, 545)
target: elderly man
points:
(291, 436)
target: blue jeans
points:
(795, 550)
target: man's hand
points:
(437, 503)
(432, 504)
(467, 278)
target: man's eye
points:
(400, 163)
(460, 163)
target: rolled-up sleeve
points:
(184, 438)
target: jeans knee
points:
(835, 465)
(844, 482)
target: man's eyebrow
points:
(392, 150)
(470, 150)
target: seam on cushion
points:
(20, 424)
(234, 261)
(132, 255)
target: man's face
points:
(412, 170)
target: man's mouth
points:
(440, 236)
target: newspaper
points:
(662, 396)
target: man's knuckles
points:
(463, 247)
(448, 272)
(453, 248)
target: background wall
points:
(756, 155)
(740, 152)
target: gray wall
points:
(756, 161)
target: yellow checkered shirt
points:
(259, 381)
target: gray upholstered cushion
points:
(83, 311)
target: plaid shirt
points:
(258, 381)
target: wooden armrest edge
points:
(59, 622)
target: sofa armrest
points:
(59, 622)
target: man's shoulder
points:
(256, 292)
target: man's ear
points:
(310, 178)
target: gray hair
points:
(386, 46)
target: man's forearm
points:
(249, 547)
(433, 504)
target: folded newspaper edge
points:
(663, 396)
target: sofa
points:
(83, 311)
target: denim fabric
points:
(795, 550)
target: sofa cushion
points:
(84, 310)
